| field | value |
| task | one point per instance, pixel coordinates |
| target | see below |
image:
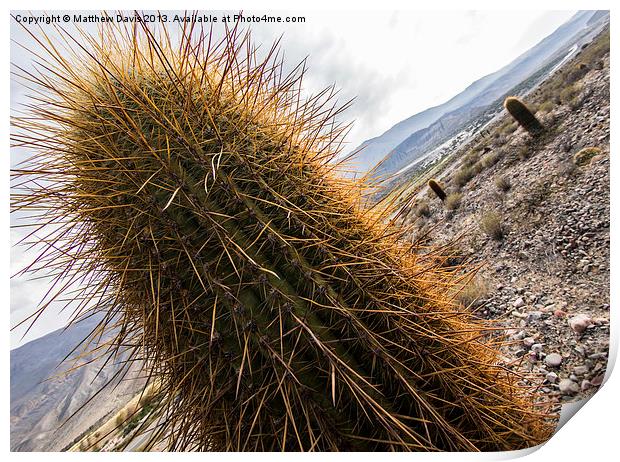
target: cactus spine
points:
(520, 112)
(195, 193)
(437, 189)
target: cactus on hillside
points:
(585, 155)
(192, 198)
(520, 112)
(437, 189)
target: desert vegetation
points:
(584, 156)
(503, 183)
(453, 201)
(523, 115)
(492, 225)
(437, 189)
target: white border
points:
(591, 435)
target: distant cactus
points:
(437, 189)
(523, 115)
(584, 156)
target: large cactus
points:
(193, 190)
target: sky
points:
(395, 64)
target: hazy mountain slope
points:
(394, 145)
(40, 406)
(373, 150)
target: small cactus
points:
(584, 156)
(437, 189)
(523, 115)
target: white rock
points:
(580, 323)
(568, 387)
(552, 377)
(553, 360)
(537, 347)
(581, 370)
(518, 303)
(585, 384)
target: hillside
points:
(44, 395)
(535, 214)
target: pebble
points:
(518, 303)
(580, 323)
(581, 370)
(598, 380)
(568, 387)
(536, 347)
(553, 360)
(534, 316)
(585, 384)
(552, 377)
(529, 341)
(559, 314)
(519, 335)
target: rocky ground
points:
(539, 224)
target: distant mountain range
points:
(42, 397)
(412, 140)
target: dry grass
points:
(471, 158)
(490, 159)
(524, 152)
(422, 210)
(473, 292)
(546, 107)
(453, 201)
(570, 95)
(503, 183)
(463, 176)
(491, 224)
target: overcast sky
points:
(395, 64)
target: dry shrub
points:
(492, 225)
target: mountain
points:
(43, 396)
(413, 139)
